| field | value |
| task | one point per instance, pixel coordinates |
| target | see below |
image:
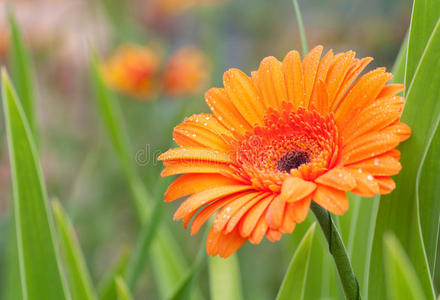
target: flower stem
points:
(337, 250)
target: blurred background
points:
(161, 56)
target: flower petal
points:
(271, 82)
(295, 189)
(301, 209)
(310, 66)
(338, 178)
(225, 112)
(275, 213)
(193, 183)
(198, 200)
(333, 200)
(251, 218)
(244, 96)
(293, 78)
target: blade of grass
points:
(403, 204)
(168, 262)
(294, 281)
(186, 286)
(302, 31)
(401, 279)
(78, 276)
(21, 73)
(140, 254)
(123, 291)
(425, 15)
(107, 287)
(40, 271)
(224, 278)
(12, 288)
(400, 63)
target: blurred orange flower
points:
(294, 132)
(187, 72)
(133, 70)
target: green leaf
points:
(123, 291)
(400, 63)
(80, 283)
(357, 228)
(21, 73)
(294, 281)
(402, 282)
(140, 254)
(302, 31)
(224, 278)
(168, 262)
(399, 212)
(40, 272)
(107, 287)
(12, 288)
(424, 16)
(186, 286)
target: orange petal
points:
(293, 78)
(375, 117)
(273, 235)
(310, 66)
(198, 200)
(351, 76)
(295, 189)
(361, 94)
(202, 131)
(320, 98)
(335, 201)
(301, 209)
(337, 73)
(244, 209)
(223, 217)
(275, 213)
(193, 183)
(204, 215)
(382, 165)
(251, 218)
(367, 186)
(391, 90)
(196, 154)
(271, 82)
(400, 129)
(259, 231)
(225, 112)
(230, 243)
(338, 178)
(386, 184)
(368, 146)
(196, 167)
(244, 96)
(289, 222)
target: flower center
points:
(291, 142)
(292, 160)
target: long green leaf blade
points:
(294, 281)
(423, 99)
(78, 276)
(224, 278)
(21, 73)
(402, 281)
(40, 272)
(424, 16)
(123, 291)
(107, 287)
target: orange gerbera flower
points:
(133, 70)
(292, 133)
(187, 72)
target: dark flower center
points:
(292, 160)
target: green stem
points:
(337, 250)
(302, 31)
